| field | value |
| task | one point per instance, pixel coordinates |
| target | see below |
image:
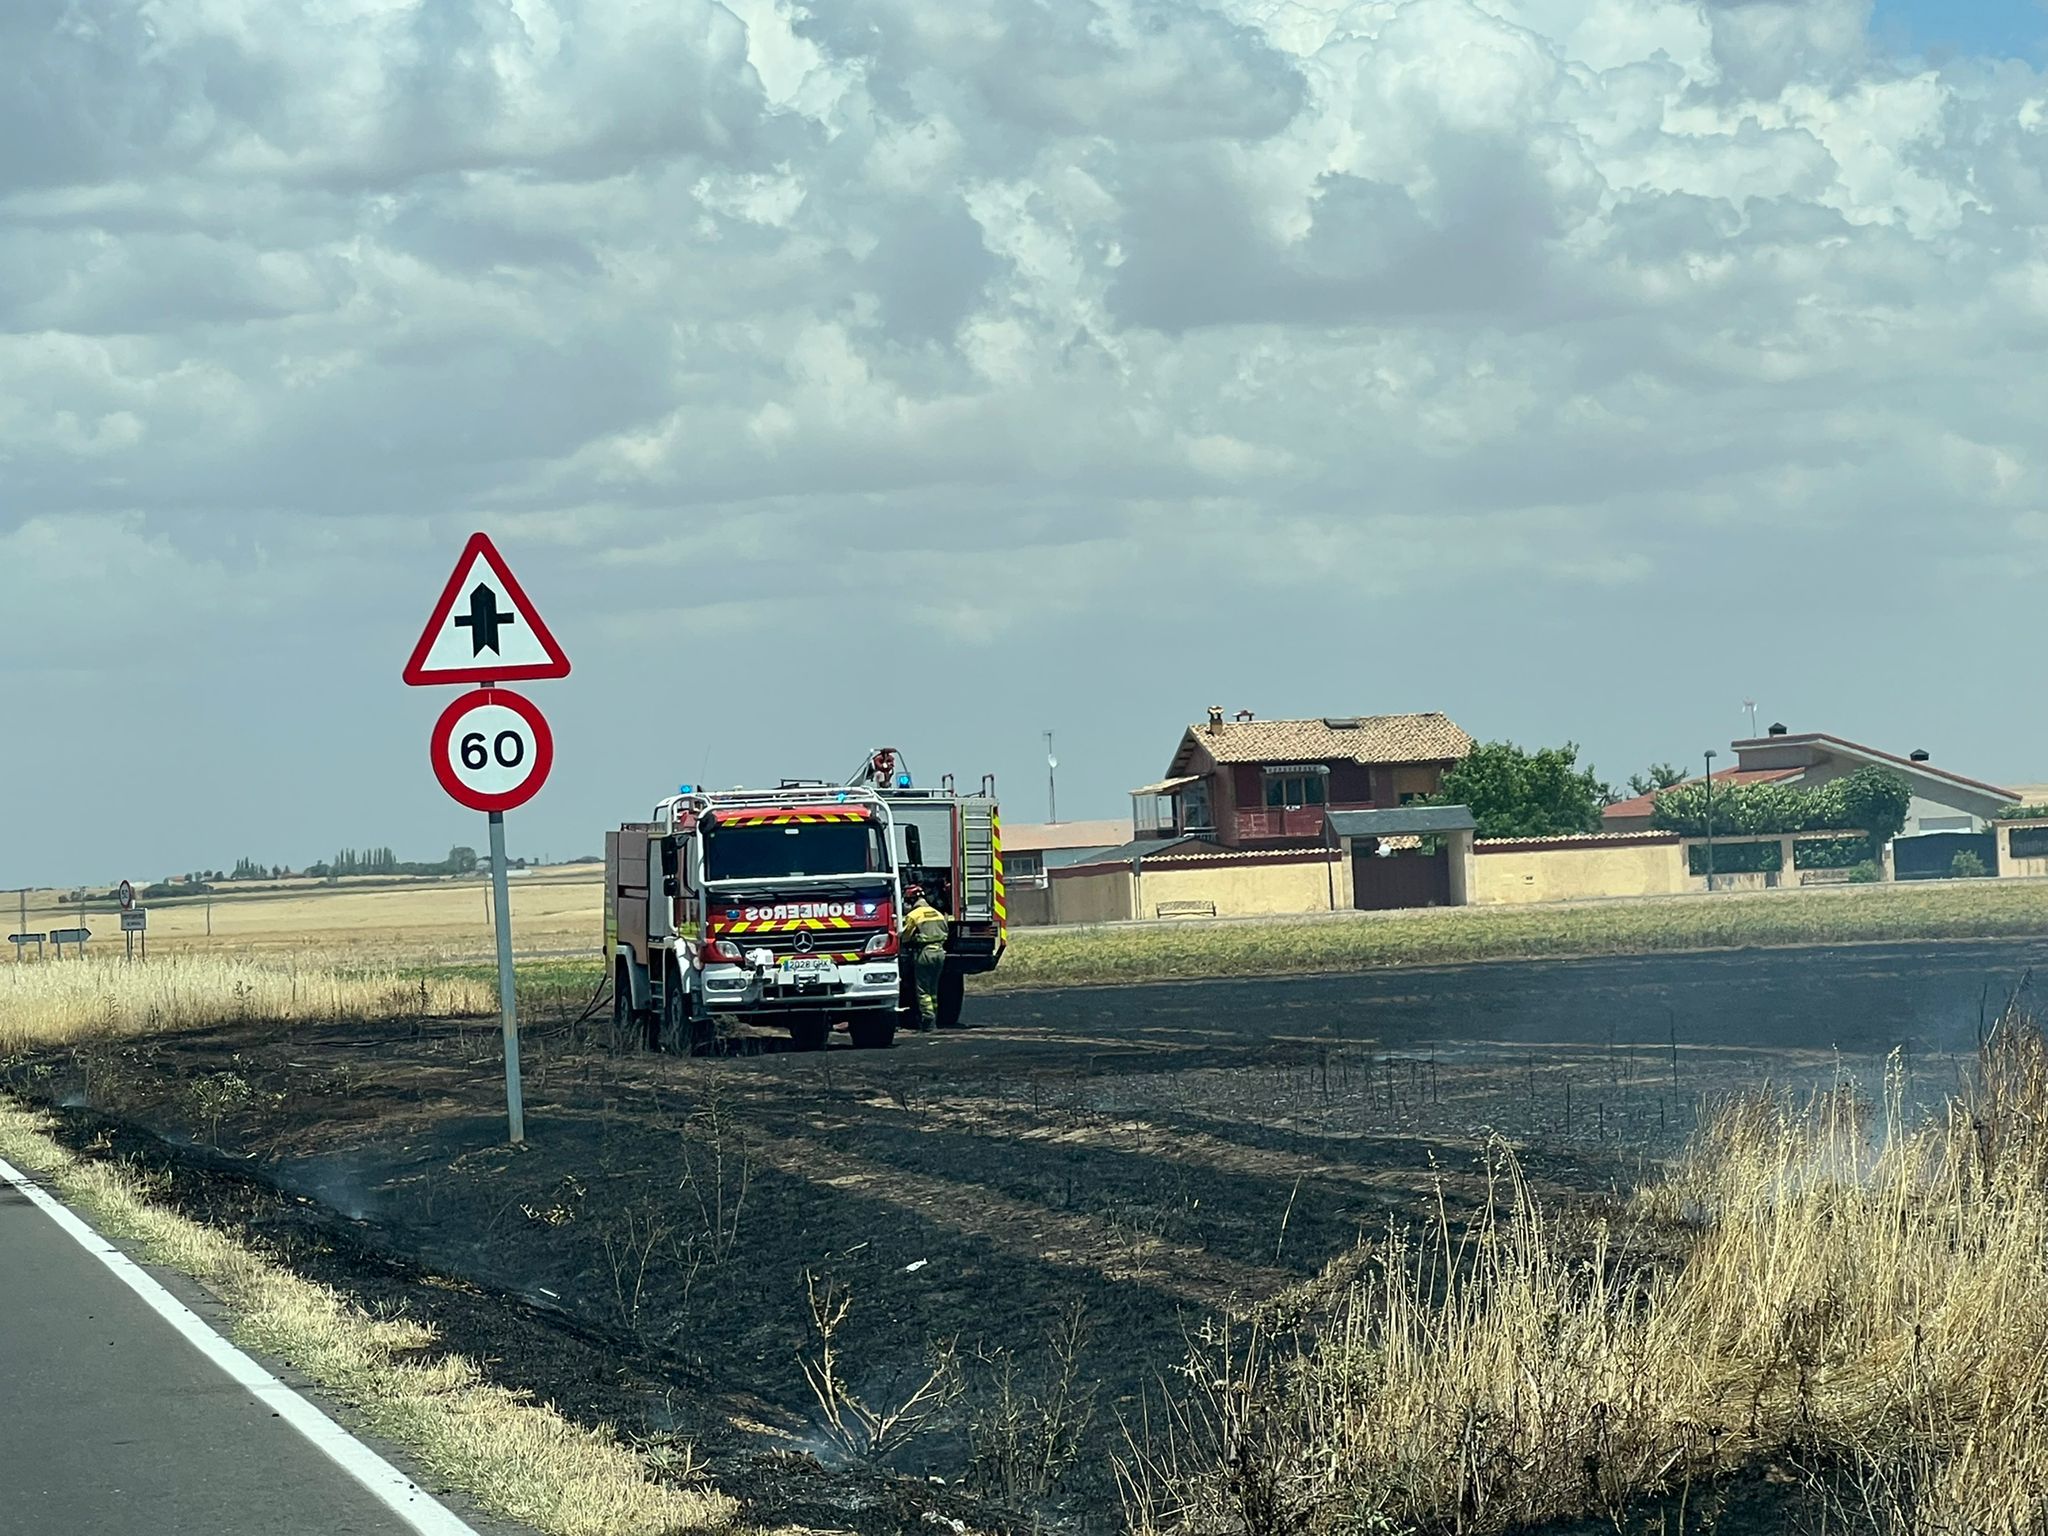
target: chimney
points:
(1244, 717)
(1779, 729)
(1215, 717)
(1921, 755)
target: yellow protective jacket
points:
(924, 924)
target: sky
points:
(1999, 28)
(885, 372)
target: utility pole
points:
(1710, 818)
(1052, 788)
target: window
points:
(1293, 790)
(2030, 842)
(933, 829)
(766, 851)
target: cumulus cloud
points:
(1123, 298)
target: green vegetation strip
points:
(1369, 941)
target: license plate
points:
(805, 968)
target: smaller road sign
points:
(483, 629)
(127, 897)
(70, 935)
(26, 938)
(135, 922)
(491, 750)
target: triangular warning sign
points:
(483, 629)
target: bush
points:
(1967, 866)
(1866, 873)
(1873, 801)
(1836, 853)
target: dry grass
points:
(104, 997)
(1364, 941)
(515, 1457)
(1859, 1301)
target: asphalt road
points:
(111, 1424)
(1853, 998)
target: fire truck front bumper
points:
(820, 983)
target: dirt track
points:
(1140, 1158)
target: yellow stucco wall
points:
(1249, 889)
(1509, 877)
(1104, 897)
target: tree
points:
(1660, 776)
(461, 860)
(1516, 793)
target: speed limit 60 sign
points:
(492, 750)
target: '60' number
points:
(509, 750)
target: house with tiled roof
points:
(1943, 801)
(1246, 783)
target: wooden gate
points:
(1400, 880)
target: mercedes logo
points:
(803, 943)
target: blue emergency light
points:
(686, 789)
(903, 781)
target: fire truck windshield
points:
(765, 851)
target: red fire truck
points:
(779, 907)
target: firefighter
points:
(924, 940)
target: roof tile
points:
(1430, 738)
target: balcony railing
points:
(1256, 826)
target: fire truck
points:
(740, 909)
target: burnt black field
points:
(1141, 1157)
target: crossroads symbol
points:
(484, 620)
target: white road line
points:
(391, 1487)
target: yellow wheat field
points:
(552, 912)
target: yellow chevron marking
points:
(1002, 894)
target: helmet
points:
(914, 891)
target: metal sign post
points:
(515, 1106)
(491, 749)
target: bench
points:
(1185, 909)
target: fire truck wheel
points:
(809, 1034)
(677, 1036)
(872, 1032)
(622, 1004)
(952, 998)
